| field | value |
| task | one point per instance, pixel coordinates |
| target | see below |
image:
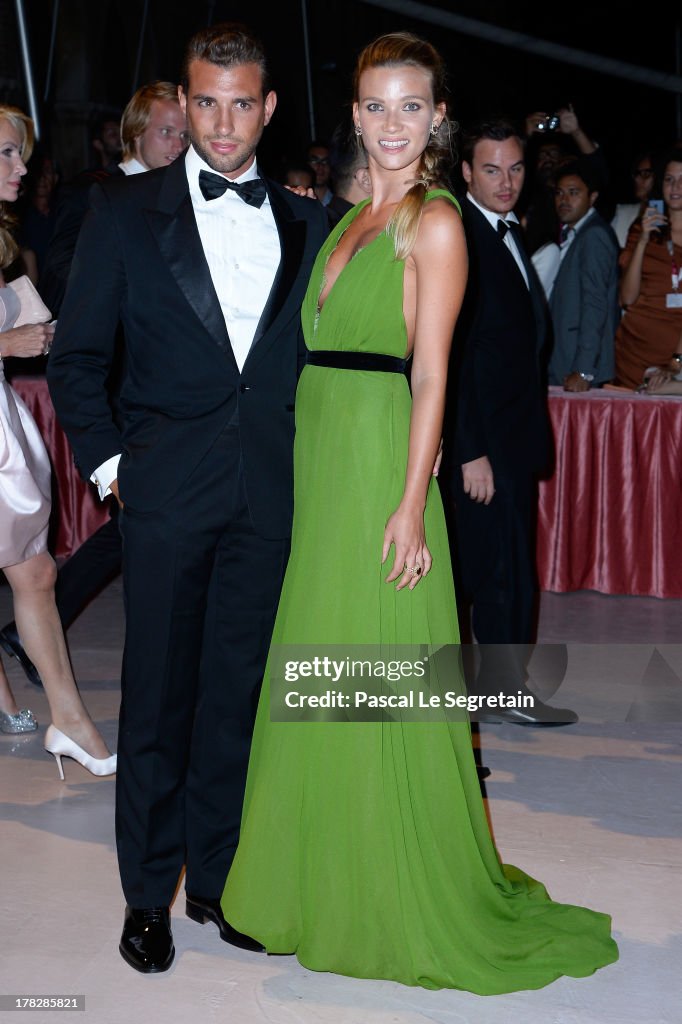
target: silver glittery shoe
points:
(23, 721)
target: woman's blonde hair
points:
(23, 125)
(394, 50)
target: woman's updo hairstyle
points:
(399, 49)
(23, 126)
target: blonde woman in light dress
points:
(25, 506)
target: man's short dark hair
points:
(581, 170)
(498, 131)
(345, 156)
(227, 45)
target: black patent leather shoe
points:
(147, 941)
(540, 714)
(203, 910)
(11, 644)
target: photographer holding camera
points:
(553, 138)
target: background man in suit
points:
(153, 128)
(584, 301)
(497, 432)
(207, 272)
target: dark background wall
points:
(97, 41)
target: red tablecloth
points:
(76, 509)
(610, 518)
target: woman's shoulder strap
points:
(442, 193)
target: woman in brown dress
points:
(651, 286)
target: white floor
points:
(594, 810)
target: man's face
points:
(109, 141)
(643, 176)
(318, 158)
(572, 199)
(226, 114)
(164, 138)
(495, 175)
(548, 157)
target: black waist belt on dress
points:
(356, 361)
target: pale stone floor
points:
(594, 810)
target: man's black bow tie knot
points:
(215, 185)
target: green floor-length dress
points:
(365, 848)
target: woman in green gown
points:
(365, 848)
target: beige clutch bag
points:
(33, 309)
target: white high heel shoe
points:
(61, 746)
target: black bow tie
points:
(215, 185)
(502, 228)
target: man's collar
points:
(132, 166)
(195, 163)
(491, 216)
(583, 220)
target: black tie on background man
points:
(209, 294)
(496, 434)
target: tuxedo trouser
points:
(496, 554)
(201, 591)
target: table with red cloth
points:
(610, 517)
(76, 509)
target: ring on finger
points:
(416, 570)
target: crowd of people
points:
(199, 302)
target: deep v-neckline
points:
(340, 274)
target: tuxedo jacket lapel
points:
(175, 228)
(292, 233)
(534, 287)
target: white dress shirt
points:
(241, 245)
(509, 240)
(242, 249)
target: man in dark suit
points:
(584, 299)
(206, 264)
(496, 436)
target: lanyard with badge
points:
(673, 299)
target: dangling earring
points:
(434, 128)
(358, 129)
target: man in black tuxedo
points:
(497, 429)
(206, 264)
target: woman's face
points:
(12, 167)
(672, 186)
(395, 110)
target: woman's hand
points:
(651, 220)
(405, 530)
(27, 341)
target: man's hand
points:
(574, 382)
(477, 477)
(568, 121)
(113, 487)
